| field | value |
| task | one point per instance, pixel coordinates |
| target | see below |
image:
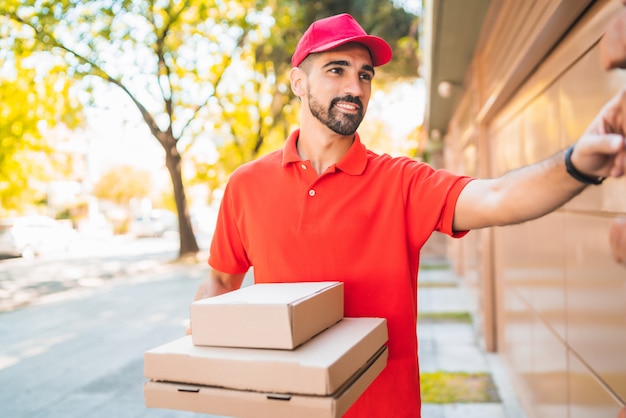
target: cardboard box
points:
(276, 315)
(249, 404)
(318, 367)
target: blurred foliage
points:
(173, 59)
(35, 101)
(170, 58)
(464, 317)
(122, 183)
(197, 70)
(165, 200)
(457, 387)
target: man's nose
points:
(354, 86)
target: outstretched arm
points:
(538, 189)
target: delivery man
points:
(325, 208)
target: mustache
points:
(349, 99)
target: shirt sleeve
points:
(227, 253)
(431, 196)
(445, 224)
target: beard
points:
(335, 120)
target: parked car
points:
(29, 236)
(155, 224)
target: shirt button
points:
(303, 166)
(311, 192)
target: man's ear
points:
(297, 77)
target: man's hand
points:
(601, 151)
(613, 55)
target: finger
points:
(610, 119)
(619, 165)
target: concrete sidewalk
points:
(453, 346)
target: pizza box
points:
(318, 367)
(267, 315)
(253, 404)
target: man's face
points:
(339, 84)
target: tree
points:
(168, 57)
(121, 184)
(195, 69)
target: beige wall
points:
(549, 297)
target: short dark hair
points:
(305, 64)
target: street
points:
(91, 263)
(74, 346)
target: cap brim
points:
(379, 49)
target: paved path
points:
(83, 356)
(454, 347)
(80, 354)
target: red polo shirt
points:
(362, 222)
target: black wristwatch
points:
(572, 171)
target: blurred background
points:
(120, 124)
(127, 117)
(121, 121)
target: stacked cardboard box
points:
(269, 350)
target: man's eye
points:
(366, 76)
(337, 70)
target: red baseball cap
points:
(333, 31)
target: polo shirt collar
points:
(353, 163)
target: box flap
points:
(269, 293)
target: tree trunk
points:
(188, 243)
